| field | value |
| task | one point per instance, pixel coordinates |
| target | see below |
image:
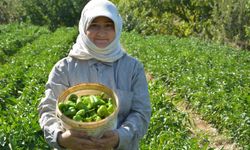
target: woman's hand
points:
(109, 140)
(78, 140)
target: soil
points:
(199, 127)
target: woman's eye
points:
(93, 26)
(109, 26)
(96, 27)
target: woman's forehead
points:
(102, 19)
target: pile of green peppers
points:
(87, 108)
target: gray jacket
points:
(125, 76)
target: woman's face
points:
(101, 31)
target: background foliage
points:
(53, 13)
(213, 79)
(22, 80)
(226, 21)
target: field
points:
(213, 80)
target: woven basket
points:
(97, 128)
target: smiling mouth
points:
(101, 43)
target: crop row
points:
(187, 68)
(11, 42)
(22, 86)
(214, 79)
(169, 128)
(23, 80)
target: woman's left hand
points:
(109, 140)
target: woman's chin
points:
(101, 45)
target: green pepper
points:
(93, 101)
(70, 112)
(110, 109)
(81, 105)
(102, 111)
(85, 99)
(77, 117)
(62, 107)
(100, 101)
(70, 104)
(87, 107)
(73, 98)
(81, 112)
(97, 118)
(101, 96)
(88, 119)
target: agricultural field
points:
(212, 79)
(11, 42)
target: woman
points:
(98, 57)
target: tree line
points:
(226, 21)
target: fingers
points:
(83, 144)
(110, 139)
(75, 139)
(85, 140)
(78, 133)
(108, 134)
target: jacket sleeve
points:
(48, 121)
(136, 123)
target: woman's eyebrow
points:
(108, 21)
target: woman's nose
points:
(101, 31)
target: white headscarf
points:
(84, 48)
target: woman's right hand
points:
(77, 140)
